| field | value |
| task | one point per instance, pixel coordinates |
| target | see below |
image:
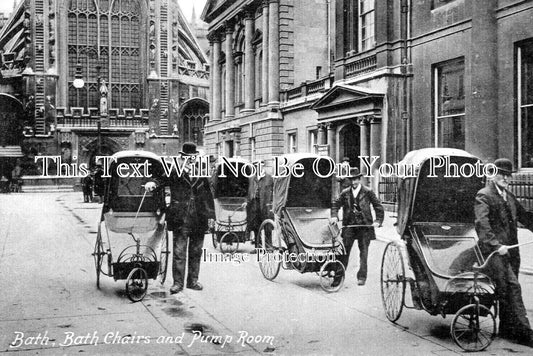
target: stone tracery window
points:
(113, 45)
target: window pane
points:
(451, 98)
(527, 75)
(452, 132)
(527, 137)
(366, 6)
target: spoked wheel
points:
(98, 257)
(392, 282)
(163, 260)
(137, 284)
(229, 243)
(332, 276)
(473, 327)
(214, 239)
(271, 254)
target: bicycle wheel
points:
(97, 254)
(163, 260)
(392, 282)
(271, 255)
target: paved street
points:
(48, 288)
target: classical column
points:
(364, 141)
(273, 53)
(211, 101)
(230, 73)
(331, 141)
(211, 81)
(375, 148)
(249, 65)
(217, 82)
(321, 136)
(264, 69)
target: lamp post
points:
(99, 123)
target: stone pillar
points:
(264, 69)
(273, 54)
(249, 65)
(364, 141)
(211, 85)
(230, 73)
(331, 141)
(321, 135)
(375, 148)
(217, 79)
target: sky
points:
(6, 6)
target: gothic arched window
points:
(104, 37)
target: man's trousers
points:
(187, 241)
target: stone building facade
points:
(144, 78)
(359, 78)
(259, 49)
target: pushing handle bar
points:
(136, 215)
(495, 252)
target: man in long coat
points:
(355, 202)
(191, 207)
(259, 203)
(497, 213)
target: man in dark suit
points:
(497, 213)
(191, 207)
(355, 202)
(259, 203)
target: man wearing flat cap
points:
(497, 213)
(357, 220)
(191, 206)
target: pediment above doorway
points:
(343, 101)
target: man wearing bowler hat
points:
(497, 213)
(357, 220)
(191, 206)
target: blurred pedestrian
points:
(87, 187)
(99, 186)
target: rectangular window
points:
(366, 24)
(230, 149)
(450, 104)
(438, 3)
(313, 141)
(291, 143)
(525, 105)
(350, 26)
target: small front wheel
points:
(332, 275)
(229, 243)
(137, 284)
(473, 327)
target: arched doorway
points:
(192, 120)
(108, 147)
(350, 143)
(11, 120)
